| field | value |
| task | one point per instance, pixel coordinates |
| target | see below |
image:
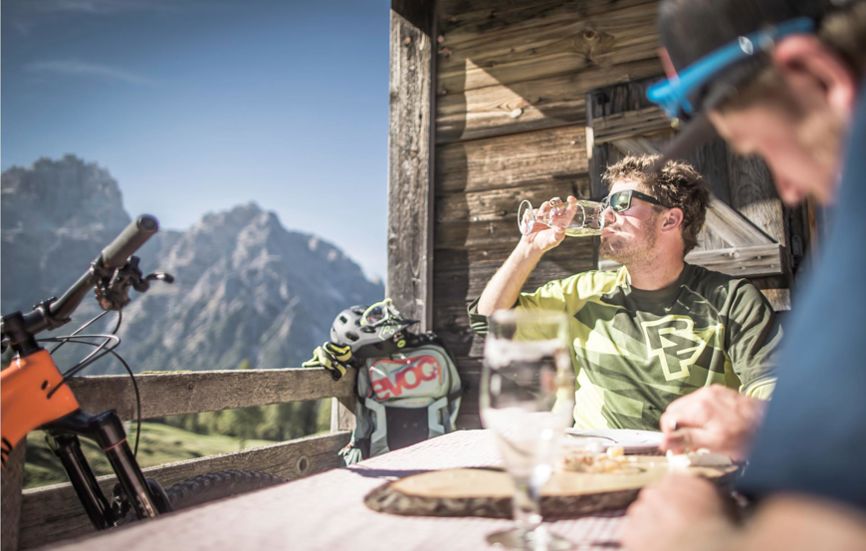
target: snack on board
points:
(612, 461)
(699, 458)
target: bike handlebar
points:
(50, 315)
(129, 240)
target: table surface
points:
(326, 511)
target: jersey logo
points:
(673, 341)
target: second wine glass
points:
(527, 398)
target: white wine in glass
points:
(527, 398)
(588, 218)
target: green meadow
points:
(159, 443)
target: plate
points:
(487, 492)
(632, 441)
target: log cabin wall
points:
(489, 107)
(510, 86)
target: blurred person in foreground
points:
(657, 328)
(783, 79)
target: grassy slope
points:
(159, 444)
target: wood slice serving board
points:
(486, 492)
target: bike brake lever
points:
(160, 276)
(143, 284)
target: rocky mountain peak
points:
(246, 287)
(65, 192)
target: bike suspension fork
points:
(107, 430)
(68, 448)
(112, 437)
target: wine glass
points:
(588, 218)
(527, 399)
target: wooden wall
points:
(510, 84)
(489, 107)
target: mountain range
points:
(246, 288)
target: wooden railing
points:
(38, 516)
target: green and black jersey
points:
(636, 351)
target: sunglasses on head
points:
(381, 313)
(620, 201)
(674, 95)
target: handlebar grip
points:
(129, 240)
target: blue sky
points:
(199, 105)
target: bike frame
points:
(35, 396)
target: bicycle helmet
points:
(359, 326)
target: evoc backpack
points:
(408, 388)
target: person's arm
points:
(504, 287)
(716, 417)
(688, 513)
(682, 512)
(798, 522)
(754, 335)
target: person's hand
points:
(715, 417)
(678, 512)
(544, 237)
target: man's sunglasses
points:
(620, 201)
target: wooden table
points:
(326, 511)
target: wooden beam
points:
(529, 105)
(522, 41)
(629, 124)
(176, 393)
(472, 270)
(745, 261)
(732, 226)
(343, 414)
(53, 513)
(748, 261)
(410, 159)
(552, 157)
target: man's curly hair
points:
(677, 184)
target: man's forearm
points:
(794, 522)
(504, 287)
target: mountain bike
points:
(35, 394)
